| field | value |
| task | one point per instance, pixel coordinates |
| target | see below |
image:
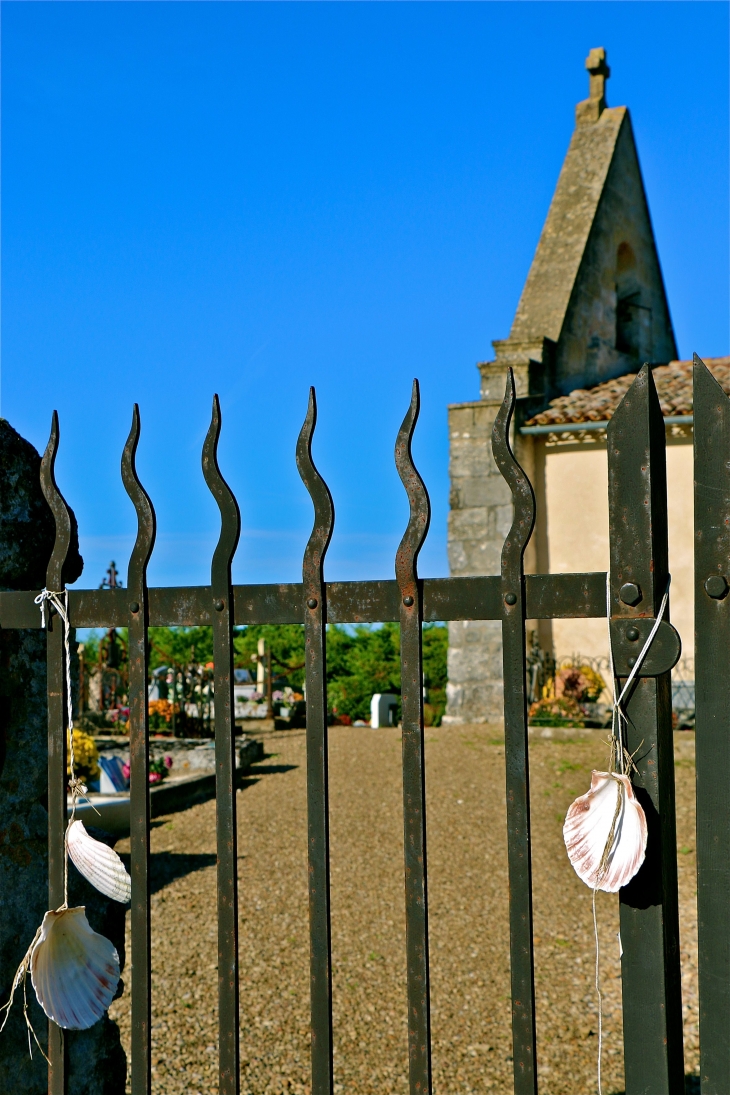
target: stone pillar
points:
(97, 1065)
(480, 517)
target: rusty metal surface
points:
(637, 494)
(137, 618)
(313, 608)
(221, 608)
(57, 726)
(548, 597)
(516, 751)
(712, 691)
(628, 637)
(414, 773)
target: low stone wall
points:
(190, 756)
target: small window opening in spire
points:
(633, 317)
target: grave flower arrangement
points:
(86, 757)
(565, 696)
(158, 769)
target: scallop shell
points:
(74, 971)
(587, 830)
(98, 863)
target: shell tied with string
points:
(98, 863)
(605, 833)
(73, 969)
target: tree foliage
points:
(286, 643)
(361, 660)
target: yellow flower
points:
(86, 756)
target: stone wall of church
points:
(479, 520)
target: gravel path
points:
(468, 923)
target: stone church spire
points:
(593, 308)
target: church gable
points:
(617, 317)
(594, 304)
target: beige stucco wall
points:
(576, 492)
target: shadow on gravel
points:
(165, 867)
(271, 769)
(691, 1085)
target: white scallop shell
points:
(98, 863)
(587, 830)
(74, 971)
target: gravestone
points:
(96, 1060)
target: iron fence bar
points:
(221, 592)
(712, 722)
(314, 609)
(637, 491)
(547, 597)
(414, 772)
(524, 1041)
(137, 605)
(57, 727)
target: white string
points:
(598, 990)
(75, 786)
(618, 717)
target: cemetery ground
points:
(469, 933)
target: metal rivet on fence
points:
(630, 593)
(716, 586)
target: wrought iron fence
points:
(637, 582)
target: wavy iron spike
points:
(61, 512)
(225, 498)
(522, 494)
(324, 509)
(406, 558)
(146, 523)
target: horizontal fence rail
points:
(637, 581)
(548, 597)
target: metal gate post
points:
(637, 494)
(712, 697)
(522, 958)
(221, 593)
(139, 750)
(414, 772)
(314, 591)
(57, 731)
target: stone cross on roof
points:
(590, 109)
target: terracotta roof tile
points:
(673, 383)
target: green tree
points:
(435, 674)
(359, 663)
(286, 643)
(180, 646)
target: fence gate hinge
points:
(627, 640)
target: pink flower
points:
(125, 771)
(168, 761)
(155, 777)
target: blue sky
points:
(251, 198)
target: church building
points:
(592, 311)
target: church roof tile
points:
(597, 404)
